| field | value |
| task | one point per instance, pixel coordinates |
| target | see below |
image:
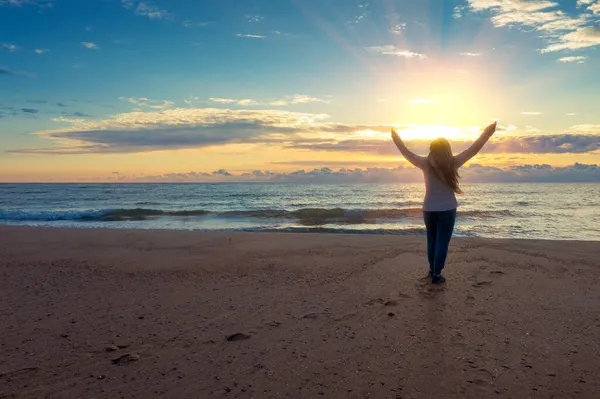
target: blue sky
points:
(202, 85)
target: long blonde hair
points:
(442, 163)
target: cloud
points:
(30, 110)
(586, 128)
(181, 128)
(398, 28)
(244, 102)
(9, 47)
(221, 172)
(458, 12)
(253, 18)
(595, 8)
(195, 24)
(580, 38)
(41, 50)
(75, 115)
(531, 113)
(363, 14)
(248, 36)
(165, 104)
(540, 144)
(393, 50)
(578, 59)
(561, 30)
(8, 71)
(145, 9)
(421, 101)
(471, 54)
(90, 45)
(175, 129)
(20, 3)
(298, 99)
(142, 103)
(471, 174)
(293, 99)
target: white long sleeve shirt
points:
(439, 196)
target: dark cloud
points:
(30, 110)
(61, 105)
(165, 138)
(550, 144)
(196, 128)
(76, 114)
(473, 174)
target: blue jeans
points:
(440, 226)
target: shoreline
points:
(217, 314)
(302, 231)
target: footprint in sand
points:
(482, 283)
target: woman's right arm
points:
(410, 156)
(470, 152)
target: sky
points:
(262, 90)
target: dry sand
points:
(334, 316)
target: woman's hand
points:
(491, 129)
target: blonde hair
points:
(441, 161)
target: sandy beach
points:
(99, 313)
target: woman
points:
(440, 168)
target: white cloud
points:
(595, 8)
(245, 102)
(458, 12)
(561, 30)
(421, 101)
(248, 36)
(397, 29)
(363, 13)
(293, 99)
(20, 3)
(145, 9)
(471, 54)
(530, 113)
(581, 38)
(579, 59)
(41, 50)
(254, 18)
(393, 50)
(581, 3)
(223, 100)
(587, 128)
(571, 114)
(142, 103)
(90, 45)
(165, 104)
(9, 47)
(303, 99)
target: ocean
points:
(562, 211)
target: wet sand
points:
(105, 313)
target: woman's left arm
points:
(463, 157)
